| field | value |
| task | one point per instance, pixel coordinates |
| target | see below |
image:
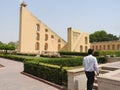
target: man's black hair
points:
(90, 51)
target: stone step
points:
(95, 86)
(108, 68)
(102, 71)
(95, 81)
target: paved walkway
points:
(11, 79)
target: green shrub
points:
(77, 53)
(73, 53)
(109, 52)
(65, 62)
(68, 62)
(13, 57)
(52, 73)
(102, 59)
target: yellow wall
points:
(28, 34)
(36, 37)
(78, 41)
(108, 45)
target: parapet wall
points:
(109, 78)
(109, 81)
(76, 79)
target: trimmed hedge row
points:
(56, 73)
(53, 73)
(102, 59)
(66, 62)
(77, 53)
(97, 53)
(13, 57)
(109, 52)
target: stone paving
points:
(12, 79)
(113, 65)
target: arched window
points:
(37, 27)
(46, 46)
(81, 48)
(46, 37)
(108, 47)
(100, 47)
(37, 36)
(104, 47)
(46, 30)
(86, 40)
(118, 47)
(59, 46)
(59, 40)
(113, 47)
(96, 47)
(37, 46)
(86, 48)
(52, 36)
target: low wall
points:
(76, 79)
(106, 81)
(109, 81)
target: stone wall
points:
(76, 79)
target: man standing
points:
(90, 65)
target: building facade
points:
(107, 45)
(35, 37)
(78, 41)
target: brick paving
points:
(12, 79)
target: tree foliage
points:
(102, 35)
(6, 47)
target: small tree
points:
(7, 47)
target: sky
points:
(84, 15)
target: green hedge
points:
(102, 59)
(13, 57)
(67, 62)
(70, 62)
(73, 53)
(77, 53)
(53, 73)
(109, 52)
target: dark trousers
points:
(90, 79)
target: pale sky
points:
(85, 15)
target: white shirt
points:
(90, 63)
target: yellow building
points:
(77, 41)
(35, 37)
(107, 45)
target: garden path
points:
(12, 79)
